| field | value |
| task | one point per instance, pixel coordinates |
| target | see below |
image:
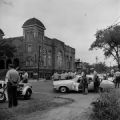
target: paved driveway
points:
(67, 112)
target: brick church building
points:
(36, 52)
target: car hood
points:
(62, 82)
(25, 84)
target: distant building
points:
(82, 66)
(35, 49)
(78, 66)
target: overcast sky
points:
(72, 21)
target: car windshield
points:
(76, 78)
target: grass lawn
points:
(43, 98)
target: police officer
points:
(12, 79)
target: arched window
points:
(44, 57)
(9, 61)
(31, 35)
(67, 62)
(16, 62)
(27, 63)
(2, 64)
(31, 62)
(59, 59)
(49, 58)
(70, 62)
(29, 47)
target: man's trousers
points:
(12, 95)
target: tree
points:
(100, 67)
(109, 41)
(6, 48)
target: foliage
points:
(6, 48)
(100, 67)
(107, 106)
(109, 41)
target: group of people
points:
(63, 75)
(12, 79)
(96, 80)
(84, 82)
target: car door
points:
(90, 83)
(76, 84)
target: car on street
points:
(23, 90)
(74, 84)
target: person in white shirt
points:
(25, 77)
(56, 76)
(63, 76)
(12, 79)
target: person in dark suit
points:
(84, 82)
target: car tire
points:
(2, 97)
(28, 94)
(63, 89)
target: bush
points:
(107, 106)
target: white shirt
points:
(63, 76)
(25, 76)
(12, 75)
(56, 76)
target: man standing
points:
(96, 82)
(12, 79)
(25, 77)
(84, 82)
(117, 78)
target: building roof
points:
(33, 21)
(1, 32)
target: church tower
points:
(33, 34)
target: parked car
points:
(74, 84)
(2, 91)
(23, 90)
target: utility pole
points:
(39, 61)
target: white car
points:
(23, 89)
(74, 84)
